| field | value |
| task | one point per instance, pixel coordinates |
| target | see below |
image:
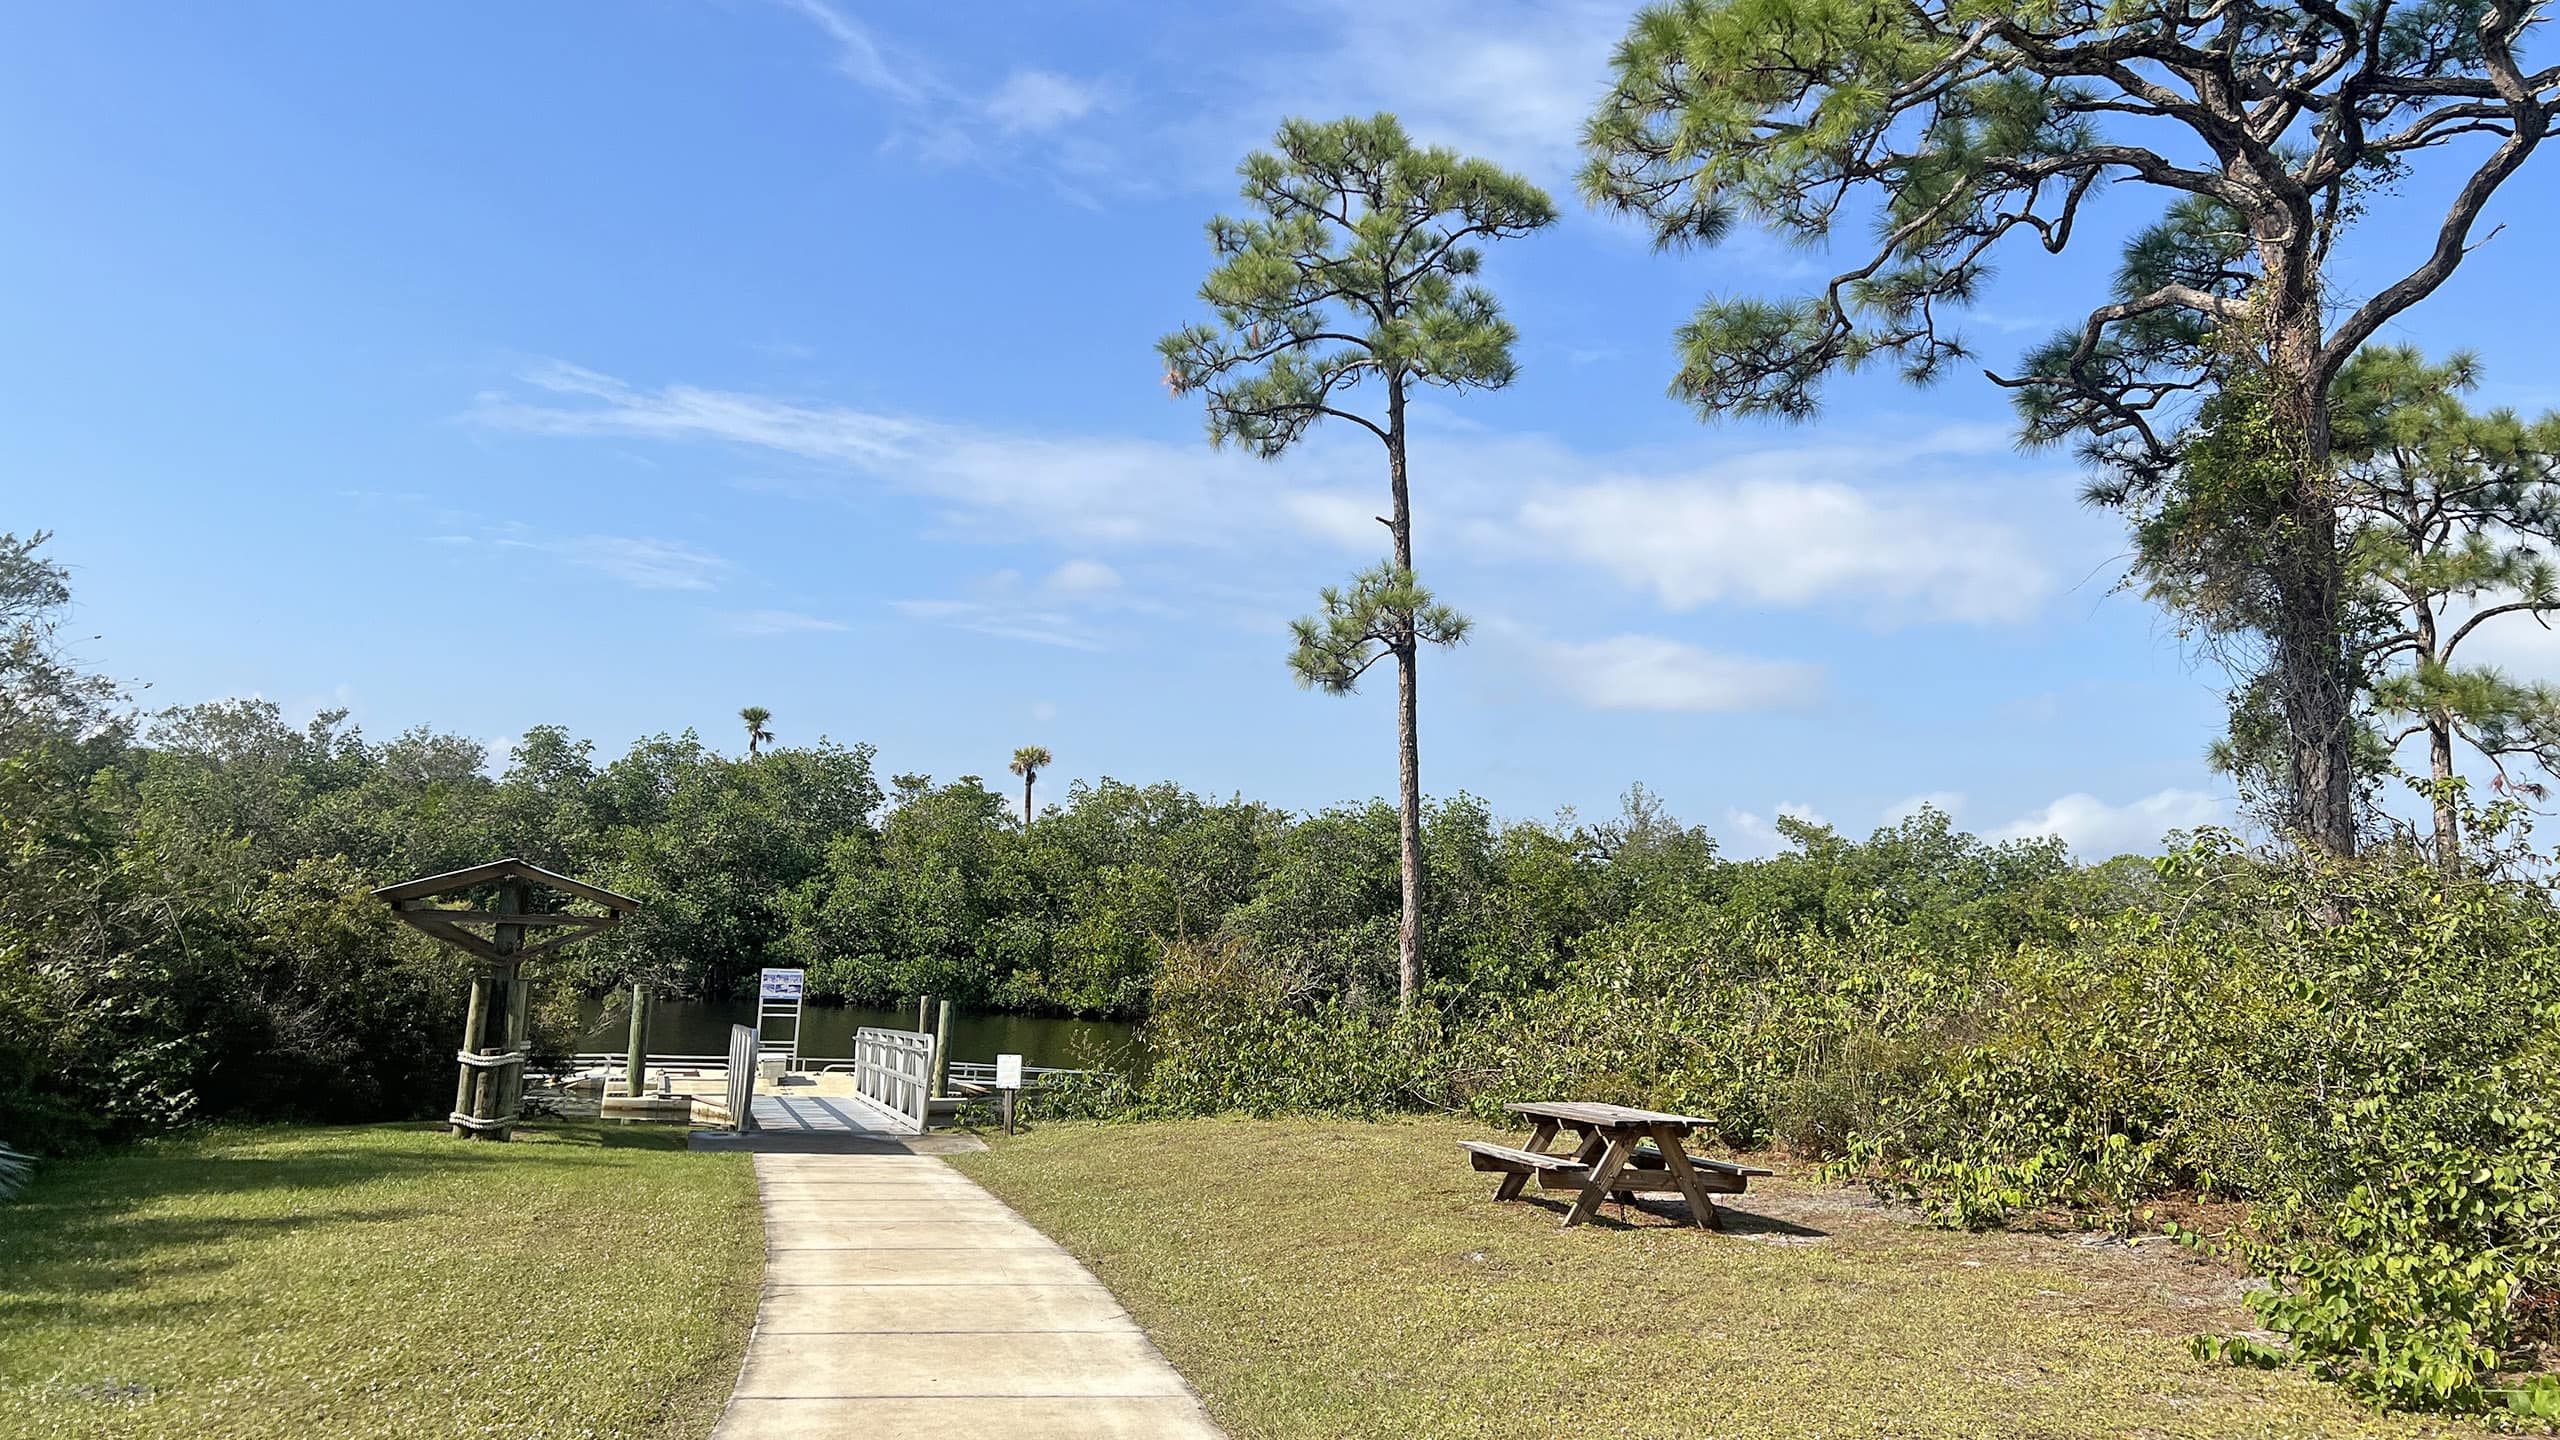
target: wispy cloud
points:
(1769, 527)
(779, 622)
(1508, 81)
(1651, 672)
(943, 121)
(861, 57)
(643, 563)
(1084, 580)
(1946, 802)
(1036, 102)
(1004, 622)
(1106, 489)
(1057, 609)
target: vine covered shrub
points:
(1762, 1028)
(2438, 1270)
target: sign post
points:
(1008, 1085)
(778, 994)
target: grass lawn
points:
(1334, 1279)
(387, 1281)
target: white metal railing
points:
(983, 1072)
(742, 1078)
(895, 1068)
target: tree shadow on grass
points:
(239, 1162)
(88, 1233)
(90, 1267)
(622, 1135)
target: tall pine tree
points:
(1349, 277)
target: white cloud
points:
(646, 564)
(1507, 81)
(1107, 490)
(779, 622)
(1949, 803)
(1339, 519)
(2096, 830)
(1038, 101)
(946, 122)
(1771, 527)
(860, 55)
(1001, 605)
(1794, 542)
(1083, 579)
(1650, 672)
(1754, 835)
(1044, 711)
(1003, 622)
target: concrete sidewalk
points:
(900, 1299)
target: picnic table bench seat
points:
(1649, 1155)
(1485, 1155)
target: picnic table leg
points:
(1539, 1139)
(1594, 1141)
(1596, 1181)
(1666, 1138)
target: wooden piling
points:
(942, 1051)
(471, 1022)
(501, 1022)
(519, 1039)
(636, 1060)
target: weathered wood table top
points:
(1622, 1151)
(1586, 1112)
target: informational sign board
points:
(1008, 1072)
(778, 996)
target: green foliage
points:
(1384, 609)
(1953, 127)
(2453, 515)
(2412, 1286)
(1350, 268)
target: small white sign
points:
(1008, 1072)
(782, 984)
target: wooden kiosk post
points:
(491, 1084)
(635, 1065)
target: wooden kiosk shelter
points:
(529, 899)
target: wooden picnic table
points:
(1619, 1151)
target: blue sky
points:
(685, 354)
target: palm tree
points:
(1028, 762)
(757, 735)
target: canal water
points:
(701, 1027)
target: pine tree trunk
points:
(2315, 684)
(2315, 677)
(2440, 765)
(1408, 751)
